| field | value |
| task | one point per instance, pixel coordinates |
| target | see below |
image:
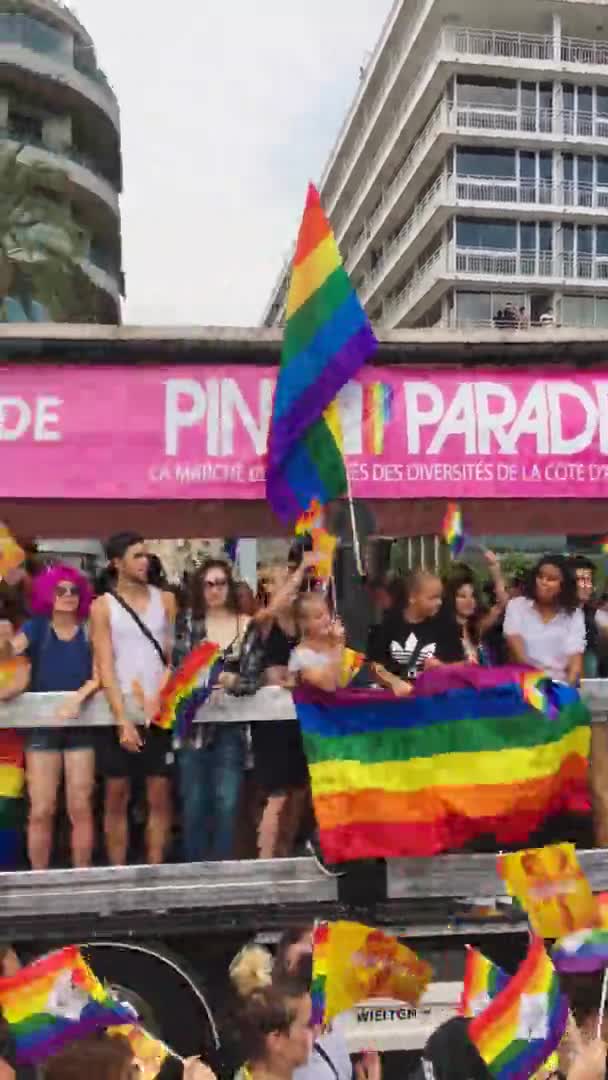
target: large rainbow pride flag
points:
(327, 339)
(465, 756)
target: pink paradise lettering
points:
(560, 417)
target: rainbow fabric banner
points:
(356, 963)
(581, 952)
(12, 788)
(464, 756)
(525, 1022)
(377, 412)
(188, 688)
(327, 339)
(54, 1001)
(483, 980)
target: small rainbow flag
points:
(483, 980)
(525, 1022)
(313, 518)
(320, 959)
(188, 688)
(582, 951)
(604, 545)
(452, 529)
(54, 1001)
(377, 413)
(352, 662)
(538, 692)
(327, 339)
(12, 788)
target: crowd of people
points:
(123, 635)
(267, 1033)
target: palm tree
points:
(40, 244)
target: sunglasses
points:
(220, 584)
(67, 590)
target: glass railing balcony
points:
(72, 153)
(30, 33)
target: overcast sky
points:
(228, 108)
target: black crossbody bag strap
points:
(142, 626)
(326, 1058)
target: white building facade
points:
(470, 176)
(56, 103)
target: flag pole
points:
(353, 525)
(600, 1017)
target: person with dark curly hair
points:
(211, 764)
(545, 628)
(56, 643)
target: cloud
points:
(228, 109)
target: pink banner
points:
(200, 432)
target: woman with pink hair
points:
(56, 643)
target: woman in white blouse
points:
(546, 628)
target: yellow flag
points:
(149, 1053)
(364, 963)
(549, 884)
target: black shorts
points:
(279, 762)
(154, 759)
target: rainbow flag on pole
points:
(328, 337)
(483, 980)
(465, 756)
(54, 1001)
(525, 1022)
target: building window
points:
(473, 307)
(486, 162)
(578, 310)
(477, 90)
(492, 235)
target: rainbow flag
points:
(538, 692)
(377, 413)
(525, 1022)
(327, 339)
(604, 545)
(581, 952)
(12, 788)
(452, 529)
(464, 756)
(483, 980)
(358, 963)
(352, 662)
(320, 956)
(54, 1001)
(188, 688)
(312, 518)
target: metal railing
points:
(584, 51)
(417, 285)
(496, 189)
(477, 117)
(584, 124)
(499, 43)
(501, 263)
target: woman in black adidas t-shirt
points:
(416, 638)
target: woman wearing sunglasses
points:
(212, 763)
(57, 646)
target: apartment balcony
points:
(510, 53)
(491, 195)
(80, 169)
(449, 265)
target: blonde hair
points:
(251, 970)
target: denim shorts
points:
(60, 740)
